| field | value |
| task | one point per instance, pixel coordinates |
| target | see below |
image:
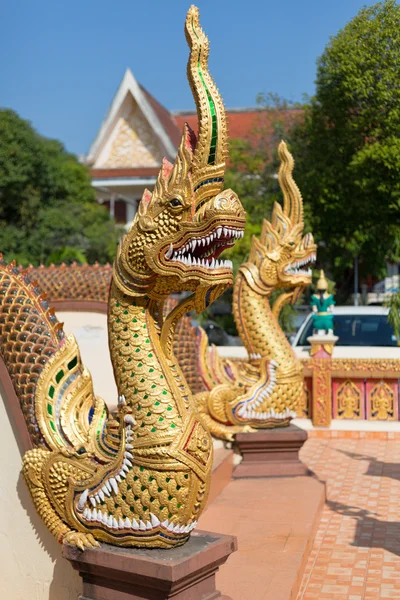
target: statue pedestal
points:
(322, 345)
(183, 573)
(271, 453)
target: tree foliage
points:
(348, 148)
(48, 210)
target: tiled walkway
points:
(356, 552)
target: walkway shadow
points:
(376, 468)
(370, 532)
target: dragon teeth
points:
(111, 522)
(154, 520)
(82, 499)
(114, 485)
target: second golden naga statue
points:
(264, 391)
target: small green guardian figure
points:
(322, 304)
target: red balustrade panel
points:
(348, 400)
(383, 399)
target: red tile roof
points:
(251, 124)
(167, 120)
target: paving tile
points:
(356, 550)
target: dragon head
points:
(283, 255)
(181, 228)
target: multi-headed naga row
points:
(263, 392)
(139, 477)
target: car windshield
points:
(357, 330)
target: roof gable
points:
(135, 131)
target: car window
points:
(357, 330)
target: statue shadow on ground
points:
(370, 532)
(376, 468)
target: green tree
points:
(348, 147)
(48, 210)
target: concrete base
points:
(271, 453)
(275, 520)
(184, 573)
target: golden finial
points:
(322, 284)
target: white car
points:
(363, 331)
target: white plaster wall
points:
(31, 563)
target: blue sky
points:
(62, 61)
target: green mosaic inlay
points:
(59, 376)
(214, 125)
(72, 363)
(52, 426)
(51, 391)
(50, 409)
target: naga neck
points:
(257, 322)
(151, 382)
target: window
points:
(357, 330)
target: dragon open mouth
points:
(204, 251)
(298, 267)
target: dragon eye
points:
(175, 202)
(291, 243)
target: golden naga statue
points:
(141, 476)
(265, 391)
